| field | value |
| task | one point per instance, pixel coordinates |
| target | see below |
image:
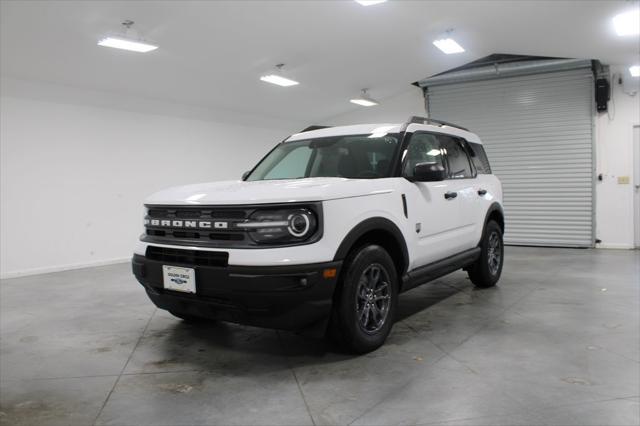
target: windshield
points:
(351, 156)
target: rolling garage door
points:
(537, 130)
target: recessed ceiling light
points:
(627, 23)
(364, 100)
(448, 46)
(370, 2)
(278, 79)
(635, 71)
(130, 40)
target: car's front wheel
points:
(486, 271)
(365, 306)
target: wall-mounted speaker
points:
(603, 94)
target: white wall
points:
(74, 175)
(614, 154)
(614, 158)
(76, 164)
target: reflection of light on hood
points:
(196, 197)
(379, 132)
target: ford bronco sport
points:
(326, 231)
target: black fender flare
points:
(374, 224)
(494, 207)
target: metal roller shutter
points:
(537, 131)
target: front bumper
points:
(295, 297)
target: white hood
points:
(269, 191)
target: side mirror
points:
(429, 172)
(246, 174)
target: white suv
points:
(326, 230)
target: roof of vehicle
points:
(383, 128)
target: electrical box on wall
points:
(603, 94)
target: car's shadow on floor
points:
(423, 297)
(207, 345)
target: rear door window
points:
(459, 166)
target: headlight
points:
(280, 226)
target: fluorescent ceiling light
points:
(363, 102)
(627, 23)
(279, 80)
(127, 44)
(364, 99)
(635, 71)
(129, 39)
(370, 2)
(448, 46)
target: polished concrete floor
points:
(556, 343)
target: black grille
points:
(196, 213)
(228, 214)
(187, 214)
(188, 257)
(220, 229)
(192, 235)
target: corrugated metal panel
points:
(503, 70)
(537, 131)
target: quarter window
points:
(479, 158)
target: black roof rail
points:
(425, 120)
(314, 127)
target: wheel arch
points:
(381, 231)
(495, 212)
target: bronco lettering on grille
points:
(204, 224)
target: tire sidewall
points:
(358, 339)
(490, 229)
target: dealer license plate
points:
(179, 279)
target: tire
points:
(366, 300)
(485, 272)
(190, 319)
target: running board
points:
(438, 269)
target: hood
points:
(269, 191)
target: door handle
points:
(482, 192)
(450, 195)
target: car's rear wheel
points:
(366, 302)
(486, 271)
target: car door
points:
(463, 191)
(432, 209)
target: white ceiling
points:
(212, 52)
